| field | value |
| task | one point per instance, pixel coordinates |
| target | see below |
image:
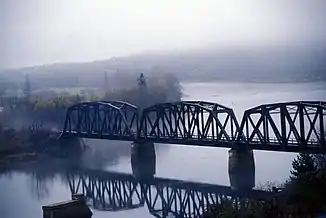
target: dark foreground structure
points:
(75, 208)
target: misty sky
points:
(35, 32)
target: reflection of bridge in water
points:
(109, 191)
(289, 126)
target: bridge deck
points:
(272, 145)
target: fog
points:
(38, 32)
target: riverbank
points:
(24, 146)
(19, 159)
(301, 196)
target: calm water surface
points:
(24, 190)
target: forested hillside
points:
(279, 64)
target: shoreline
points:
(16, 147)
(17, 158)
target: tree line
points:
(51, 107)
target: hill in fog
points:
(281, 64)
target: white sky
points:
(34, 32)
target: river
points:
(23, 190)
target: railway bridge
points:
(288, 126)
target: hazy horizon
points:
(39, 32)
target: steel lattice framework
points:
(114, 120)
(291, 126)
(163, 197)
(189, 122)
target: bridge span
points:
(289, 126)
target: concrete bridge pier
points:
(143, 160)
(241, 169)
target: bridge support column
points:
(143, 160)
(241, 169)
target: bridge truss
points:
(112, 120)
(289, 126)
(189, 122)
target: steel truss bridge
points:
(288, 126)
(107, 191)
